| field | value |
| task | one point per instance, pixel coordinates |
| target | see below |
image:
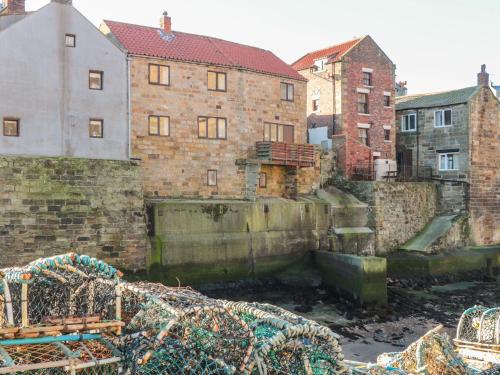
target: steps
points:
(350, 233)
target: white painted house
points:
(63, 85)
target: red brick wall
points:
(367, 54)
(484, 202)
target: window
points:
(315, 104)
(96, 128)
(70, 40)
(212, 127)
(217, 81)
(278, 133)
(320, 65)
(263, 180)
(363, 136)
(159, 74)
(447, 162)
(387, 135)
(387, 100)
(442, 118)
(212, 177)
(362, 102)
(95, 80)
(367, 79)
(409, 122)
(287, 91)
(11, 127)
(159, 125)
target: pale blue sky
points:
(436, 44)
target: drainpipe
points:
(129, 109)
(418, 144)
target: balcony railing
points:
(278, 153)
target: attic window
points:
(320, 65)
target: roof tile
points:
(154, 42)
(438, 99)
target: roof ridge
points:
(192, 34)
(335, 45)
(436, 92)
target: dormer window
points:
(320, 65)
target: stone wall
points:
(51, 206)
(177, 165)
(485, 168)
(398, 210)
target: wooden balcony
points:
(278, 153)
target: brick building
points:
(200, 105)
(351, 91)
(453, 137)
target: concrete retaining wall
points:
(201, 241)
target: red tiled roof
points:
(334, 53)
(153, 42)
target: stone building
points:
(453, 138)
(63, 88)
(200, 105)
(351, 92)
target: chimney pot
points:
(166, 23)
(483, 78)
(15, 7)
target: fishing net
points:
(73, 314)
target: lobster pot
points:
(479, 325)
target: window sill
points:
(441, 127)
(388, 107)
(448, 170)
(387, 141)
(364, 114)
(408, 131)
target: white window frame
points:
(446, 155)
(442, 111)
(320, 65)
(403, 130)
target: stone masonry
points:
(176, 166)
(57, 205)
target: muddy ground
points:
(367, 332)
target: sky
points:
(436, 44)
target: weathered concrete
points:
(363, 278)
(413, 265)
(202, 241)
(447, 232)
(45, 85)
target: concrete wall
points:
(199, 241)
(46, 86)
(51, 206)
(176, 166)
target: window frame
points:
(387, 132)
(387, 101)
(315, 105)
(101, 75)
(217, 81)
(443, 111)
(263, 176)
(217, 138)
(159, 66)
(18, 126)
(367, 138)
(66, 40)
(158, 117)
(366, 105)
(447, 157)
(287, 91)
(277, 132)
(403, 130)
(216, 178)
(102, 128)
(370, 79)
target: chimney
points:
(65, 2)
(15, 7)
(483, 78)
(166, 23)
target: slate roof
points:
(439, 99)
(333, 53)
(154, 42)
